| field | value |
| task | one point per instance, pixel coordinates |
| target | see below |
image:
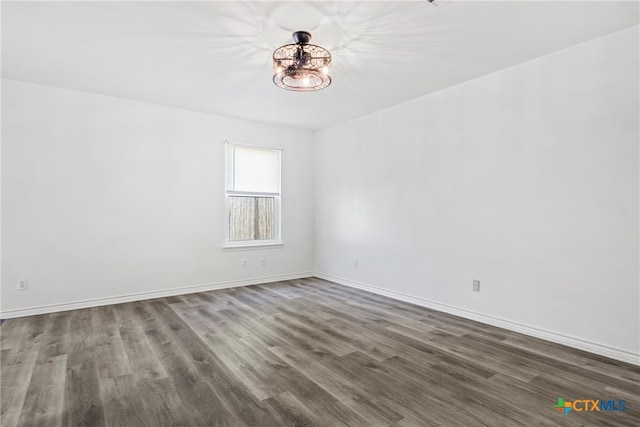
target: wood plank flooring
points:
(297, 353)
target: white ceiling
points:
(215, 56)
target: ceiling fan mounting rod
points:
(302, 37)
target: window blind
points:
(253, 169)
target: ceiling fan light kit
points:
(301, 66)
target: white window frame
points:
(277, 202)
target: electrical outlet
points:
(23, 285)
(355, 263)
(476, 286)
(263, 263)
(244, 262)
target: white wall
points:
(525, 179)
(105, 197)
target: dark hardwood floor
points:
(305, 352)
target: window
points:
(252, 195)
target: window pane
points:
(254, 170)
(251, 218)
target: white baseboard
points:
(592, 347)
(138, 296)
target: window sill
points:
(252, 246)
